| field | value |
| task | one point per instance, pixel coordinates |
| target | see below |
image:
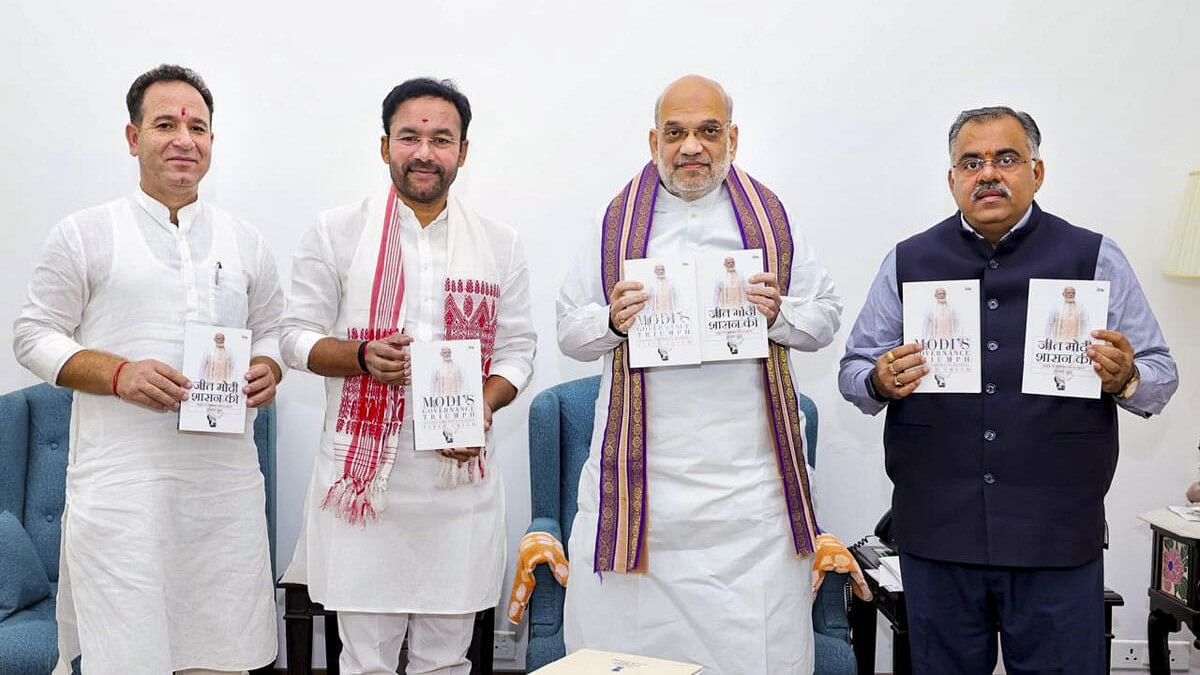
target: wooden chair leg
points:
(333, 644)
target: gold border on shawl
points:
(780, 389)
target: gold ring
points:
(897, 383)
(890, 357)
(892, 369)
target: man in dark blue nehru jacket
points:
(998, 503)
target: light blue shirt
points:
(880, 327)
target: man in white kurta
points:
(432, 554)
(164, 564)
(724, 587)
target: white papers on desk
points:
(596, 662)
(1190, 513)
(888, 574)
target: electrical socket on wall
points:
(1135, 655)
(504, 645)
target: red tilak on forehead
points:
(424, 120)
(183, 112)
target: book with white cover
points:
(666, 331)
(1062, 314)
(215, 360)
(731, 327)
(943, 317)
(447, 394)
(597, 662)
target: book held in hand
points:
(666, 331)
(731, 327)
(447, 394)
(943, 317)
(597, 662)
(215, 360)
(1061, 315)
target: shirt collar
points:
(162, 215)
(1020, 223)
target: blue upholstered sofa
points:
(560, 434)
(33, 468)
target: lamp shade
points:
(1183, 258)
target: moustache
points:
(422, 166)
(977, 193)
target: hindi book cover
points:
(215, 360)
(447, 394)
(731, 327)
(666, 331)
(1061, 315)
(943, 317)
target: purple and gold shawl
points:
(621, 530)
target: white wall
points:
(843, 109)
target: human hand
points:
(629, 299)
(465, 454)
(260, 386)
(152, 384)
(1113, 362)
(388, 359)
(898, 372)
(763, 292)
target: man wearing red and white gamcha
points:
(396, 540)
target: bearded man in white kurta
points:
(397, 540)
(691, 551)
(164, 563)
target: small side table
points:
(863, 615)
(1174, 583)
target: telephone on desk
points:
(882, 544)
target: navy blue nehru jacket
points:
(1000, 477)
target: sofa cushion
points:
(23, 581)
(29, 640)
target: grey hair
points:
(724, 94)
(1032, 134)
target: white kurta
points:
(432, 550)
(725, 588)
(164, 561)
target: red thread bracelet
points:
(116, 376)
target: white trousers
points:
(437, 643)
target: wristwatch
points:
(1131, 386)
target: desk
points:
(1174, 563)
(891, 604)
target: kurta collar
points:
(1020, 223)
(409, 217)
(162, 215)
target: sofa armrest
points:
(548, 525)
(829, 607)
(546, 603)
